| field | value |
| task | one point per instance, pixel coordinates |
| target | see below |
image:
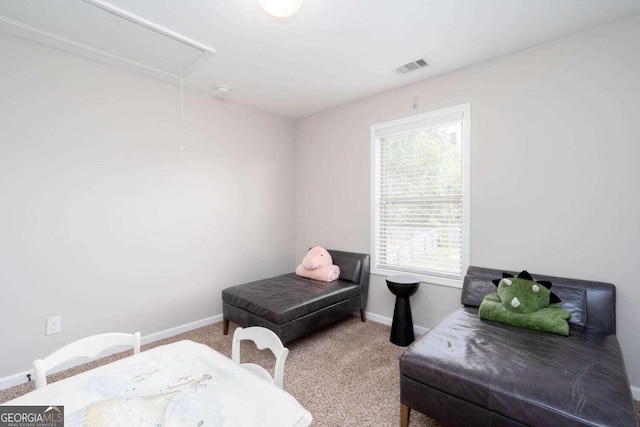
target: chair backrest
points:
(263, 338)
(89, 347)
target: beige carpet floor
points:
(345, 374)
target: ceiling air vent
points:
(413, 66)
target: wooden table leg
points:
(405, 411)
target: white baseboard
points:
(635, 391)
(15, 379)
(21, 377)
(420, 330)
(171, 332)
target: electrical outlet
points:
(54, 325)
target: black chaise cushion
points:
(525, 375)
(284, 298)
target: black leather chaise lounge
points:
(473, 372)
(293, 306)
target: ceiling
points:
(330, 53)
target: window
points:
(420, 203)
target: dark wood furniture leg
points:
(405, 411)
(363, 317)
(225, 327)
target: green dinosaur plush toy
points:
(524, 295)
(522, 301)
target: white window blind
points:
(420, 194)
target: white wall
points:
(105, 221)
(554, 169)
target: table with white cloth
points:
(179, 384)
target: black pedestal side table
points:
(402, 328)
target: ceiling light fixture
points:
(281, 8)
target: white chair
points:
(263, 338)
(89, 347)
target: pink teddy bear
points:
(317, 264)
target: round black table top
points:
(403, 280)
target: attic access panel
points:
(101, 31)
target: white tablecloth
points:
(179, 384)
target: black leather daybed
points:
(471, 372)
(293, 306)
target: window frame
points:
(465, 109)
